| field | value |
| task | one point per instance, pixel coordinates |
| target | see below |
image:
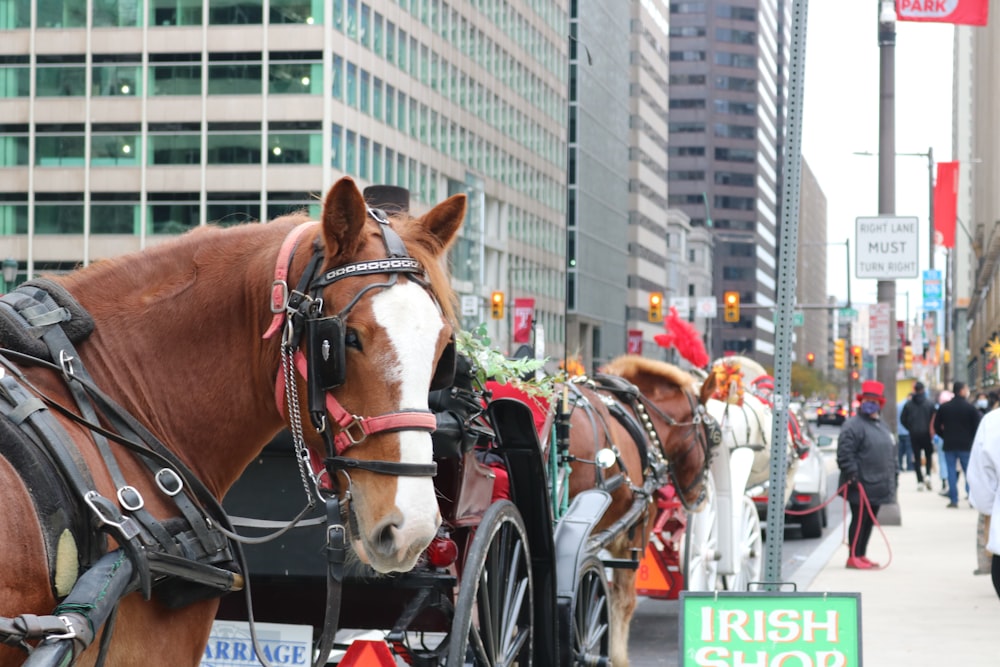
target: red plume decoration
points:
(682, 335)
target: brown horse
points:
(177, 342)
(676, 447)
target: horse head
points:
(670, 400)
(372, 327)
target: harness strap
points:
(279, 288)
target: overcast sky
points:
(840, 117)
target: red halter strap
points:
(353, 429)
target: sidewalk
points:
(927, 608)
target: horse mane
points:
(630, 366)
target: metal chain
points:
(309, 480)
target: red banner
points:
(945, 204)
(961, 12)
(524, 316)
(634, 341)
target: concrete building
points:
(124, 123)
(810, 287)
(726, 123)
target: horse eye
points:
(351, 339)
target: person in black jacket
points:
(866, 456)
(916, 418)
(956, 422)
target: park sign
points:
(887, 247)
(770, 629)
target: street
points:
(653, 641)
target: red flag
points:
(524, 315)
(961, 12)
(945, 204)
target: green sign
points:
(770, 629)
(848, 312)
(798, 318)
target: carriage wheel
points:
(590, 643)
(494, 613)
(750, 549)
(700, 548)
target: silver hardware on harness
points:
(130, 498)
(127, 527)
(66, 362)
(358, 424)
(276, 307)
(169, 481)
(70, 631)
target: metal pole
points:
(886, 365)
(930, 207)
(850, 332)
(783, 330)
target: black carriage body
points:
(288, 575)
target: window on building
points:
(172, 213)
(59, 213)
(232, 208)
(173, 143)
(115, 217)
(118, 13)
(235, 12)
(233, 145)
(60, 146)
(113, 149)
(60, 80)
(62, 13)
(294, 143)
(175, 12)
(295, 74)
(181, 75)
(235, 78)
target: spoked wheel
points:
(589, 618)
(494, 613)
(750, 549)
(700, 548)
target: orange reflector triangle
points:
(649, 579)
(368, 653)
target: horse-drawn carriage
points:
(137, 391)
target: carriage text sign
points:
(770, 629)
(887, 248)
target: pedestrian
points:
(942, 465)
(956, 422)
(903, 445)
(984, 485)
(982, 403)
(916, 419)
(866, 456)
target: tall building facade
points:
(123, 123)
(726, 124)
(810, 287)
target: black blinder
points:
(327, 361)
(444, 374)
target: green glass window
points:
(338, 78)
(61, 218)
(364, 159)
(336, 146)
(378, 101)
(235, 12)
(390, 163)
(295, 148)
(401, 50)
(229, 212)
(234, 79)
(364, 92)
(337, 12)
(390, 106)
(351, 153)
(352, 85)
(175, 12)
(401, 110)
(174, 148)
(114, 218)
(13, 150)
(116, 80)
(59, 150)
(62, 13)
(390, 41)
(118, 13)
(114, 150)
(365, 32)
(377, 162)
(378, 33)
(175, 79)
(286, 78)
(176, 215)
(15, 14)
(224, 148)
(352, 19)
(13, 218)
(15, 81)
(57, 81)
(308, 12)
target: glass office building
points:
(125, 122)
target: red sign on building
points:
(634, 341)
(524, 316)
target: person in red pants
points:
(866, 455)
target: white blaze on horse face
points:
(413, 324)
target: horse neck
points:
(177, 343)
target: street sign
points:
(682, 304)
(887, 247)
(470, 305)
(706, 306)
(932, 304)
(878, 332)
(798, 318)
(849, 313)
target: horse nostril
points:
(385, 539)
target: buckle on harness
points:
(279, 296)
(130, 498)
(108, 515)
(355, 423)
(171, 483)
(70, 630)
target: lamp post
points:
(9, 273)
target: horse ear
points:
(344, 217)
(444, 220)
(707, 388)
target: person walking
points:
(983, 477)
(916, 419)
(866, 456)
(982, 403)
(956, 422)
(904, 447)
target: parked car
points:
(831, 413)
(809, 483)
(810, 410)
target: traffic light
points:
(856, 354)
(839, 354)
(731, 306)
(496, 305)
(655, 306)
(810, 359)
(908, 357)
(855, 375)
